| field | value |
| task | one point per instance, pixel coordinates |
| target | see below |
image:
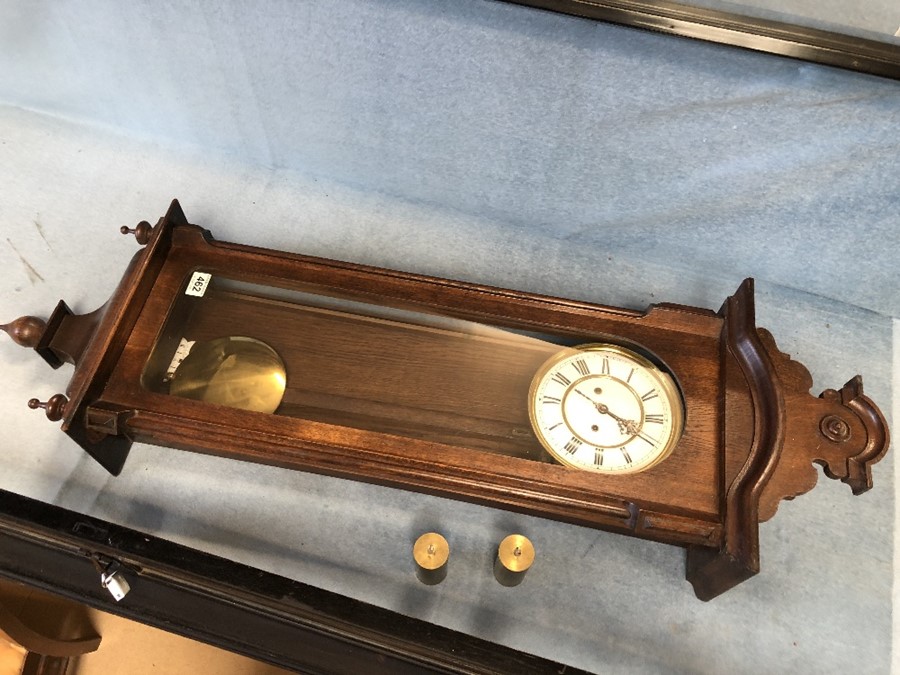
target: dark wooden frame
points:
(752, 435)
(775, 37)
(261, 615)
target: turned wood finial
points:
(55, 407)
(141, 232)
(26, 330)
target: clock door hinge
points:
(102, 420)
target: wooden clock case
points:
(752, 434)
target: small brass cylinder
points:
(514, 557)
(431, 552)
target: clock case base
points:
(753, 431)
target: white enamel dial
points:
(605, 408)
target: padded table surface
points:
(492, 143)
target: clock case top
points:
(752, 430)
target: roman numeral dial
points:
(606, 409)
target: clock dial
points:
(605, 408)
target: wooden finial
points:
(55, 407)
(141, 232)
(26, 330)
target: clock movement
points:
(677, 424)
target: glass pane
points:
(316, 355)
(351, 363)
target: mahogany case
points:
(360, 410)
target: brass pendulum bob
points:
(239, 372)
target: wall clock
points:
(677, 424)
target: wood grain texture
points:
(843, 431)
(443, 410)
(713, 572)
(379, 446)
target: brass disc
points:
(514, 557)
(239, 372)
(516, 553)
(431, 552)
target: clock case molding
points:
(829, 47)
(753, 431)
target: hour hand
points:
(629, 427)
(626, 426)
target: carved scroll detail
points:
(842, 430)
(856, 470)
